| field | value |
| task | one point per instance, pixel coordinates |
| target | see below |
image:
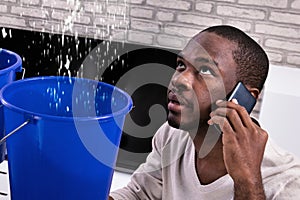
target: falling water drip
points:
(4, 34)
(69, 21)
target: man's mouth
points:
(173, 98)
(175, 103)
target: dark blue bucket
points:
(69, 147)
(10, 63)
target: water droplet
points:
(4, 34)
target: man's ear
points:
(254, 91)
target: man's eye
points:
(180, 65)
(205, 70)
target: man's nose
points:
(182, 81)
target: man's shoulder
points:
(279, 163)
(277, 156)
(281, 173)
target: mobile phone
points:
(243, 97)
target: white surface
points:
(119, 180)
(280, 110)
(4, 182)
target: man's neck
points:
(206, 140)
(209, 155)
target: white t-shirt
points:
(169, 173)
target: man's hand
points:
(243, 148)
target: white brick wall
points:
(170, 4)
(164, 16)
(29, 12)
(145, 25)
(140, 37)
(12, 21)
(275, 56)
(204, 7)
(238, 12)
(141, 12)
(117, 9)
(285, 17)
(293, 59)
(271, 22)
(65, 15)
(30, 2)
(185, 31)
(59, 4)
(267, 3)
(243, 25)
(296, 4)
(136, 1)
(195, 19)
(3, 8)
(14, 1)
(94, 7)
(283, 44)
(167, 41)
(282, 31)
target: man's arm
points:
(245, 189)
(243, 149)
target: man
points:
(191, 159)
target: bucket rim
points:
(122, 112)
(15, 66)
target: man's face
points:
(205, 73)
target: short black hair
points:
(251, 59)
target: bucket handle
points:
(19, 127)
(14, 131)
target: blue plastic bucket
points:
(69, 147)
(10, 63)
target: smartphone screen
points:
(243, 97)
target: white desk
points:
(120, 179)
(4, 181)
